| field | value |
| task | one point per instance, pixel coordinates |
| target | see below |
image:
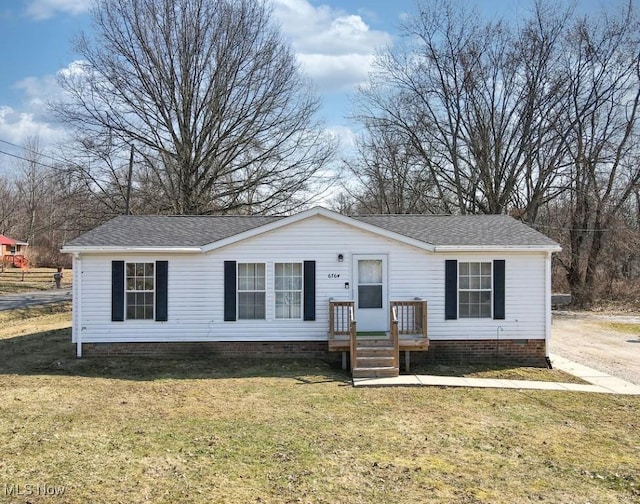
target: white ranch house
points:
(317, 283)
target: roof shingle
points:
(167, 231)
(461, 230)
(198, 231)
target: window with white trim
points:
(251, 291)
(288, 290)
(140, 290)
(475, 288)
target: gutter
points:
(112, 250)
(498, 248)
(547, 307)
(77, 301)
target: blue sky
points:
(334, 41)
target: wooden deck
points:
(406, 343)
(374, 355)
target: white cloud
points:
(17, 126)
(336, 72)
(334, 47)
(344, 135)
(37, 91)
(44, 9)
(33, 117)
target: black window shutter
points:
(162, 277)
(450, 289)
(498, 289)
(309, 290)
(117, 291)
(229, 291)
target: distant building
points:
(12, 251)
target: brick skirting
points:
(280, 349)
(529, 352)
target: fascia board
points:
(115, 250)
(496, 248)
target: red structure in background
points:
(12, 252)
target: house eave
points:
(129, 250)
(497, 248)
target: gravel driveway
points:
(581, 338)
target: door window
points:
(370, 283)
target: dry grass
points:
(497, 371)
(623, 327)
(208, 431)
(14, 280)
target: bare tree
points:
(8, 205)
(477, 102)
(211, 96)
(390, 177)
(601, 134)
(32, 188)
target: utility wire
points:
(33, 151)
(28, 160)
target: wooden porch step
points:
(373, 351)
(373, 342)
(374, 361)
(376, 372)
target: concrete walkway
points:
(599, 382)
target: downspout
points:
(547, 307)
(77, 303)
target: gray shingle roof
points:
(198, 231)
(461, 230)
(167, 231)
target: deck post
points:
(406, 360)
(352, 341)
(344, 360)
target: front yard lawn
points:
(15, 280)
(219, 430)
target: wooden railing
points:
(352, 338)
(395, 339)
(408, 318)
(341, 313)
(342, 322)
(411, 317)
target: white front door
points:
(370, 292)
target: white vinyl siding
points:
(196, 288)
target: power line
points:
(33, 151)
(28, 160)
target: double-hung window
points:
(140, 290)
(288, 290)
(475, 288)
(251, 291)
